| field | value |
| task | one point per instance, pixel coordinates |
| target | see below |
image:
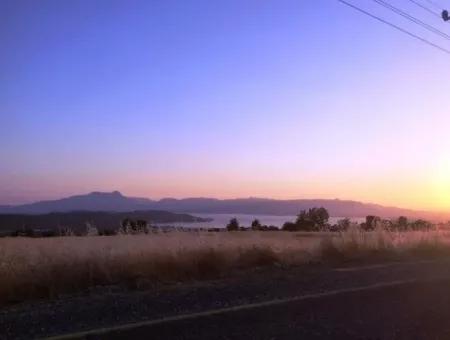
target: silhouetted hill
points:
(95, 201)
(115, 201)
(77, 220)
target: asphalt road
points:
(404, 311)
(394, 301)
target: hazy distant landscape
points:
(115, 201)
(106, 212)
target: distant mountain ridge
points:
(116, 202)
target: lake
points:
(245, 220)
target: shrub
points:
(371, 223)
(289, 226)
(233, 225)
(256, 225)
(343, 224)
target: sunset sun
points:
(441, 185)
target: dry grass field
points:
(46, 267)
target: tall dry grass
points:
(46, 267)
(357, 245)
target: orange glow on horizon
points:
(429, 191)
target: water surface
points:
(245, 220)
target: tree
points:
(142, 226)
(402, 223)
(343, 224)
(421, 225)
(314, 219)
(233, 225)
(387, 224)
(129, 226)
(256, 225)
(125, 225)
(371, 223)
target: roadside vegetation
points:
(33, 268)
(140, 255)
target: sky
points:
(232, 98)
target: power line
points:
(413, 19)
(426, 8)
(396, 27)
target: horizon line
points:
(229, 198)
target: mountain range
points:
(116, 202)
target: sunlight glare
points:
(441, 184)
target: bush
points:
(289, 226)
(341, 225)
(256, 225)
(107, 232)
(233, 225)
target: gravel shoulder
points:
(100, 309)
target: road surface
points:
(393, 301)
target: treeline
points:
(60, 224)
(234, 225)
(311, 220)
(317, 219)
(127, 226)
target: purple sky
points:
(222, 98)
